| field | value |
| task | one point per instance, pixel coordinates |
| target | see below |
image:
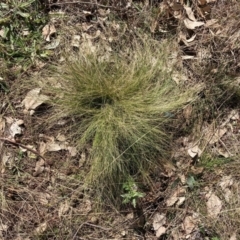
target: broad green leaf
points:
(191, 182)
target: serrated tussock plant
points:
(120, 107)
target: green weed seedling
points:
(191, 182)
(132, 194)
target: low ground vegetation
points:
(119, 120)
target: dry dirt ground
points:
(194, 196)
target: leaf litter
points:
(34, 99)
(189, 222)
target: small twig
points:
(23, 146)
(97, 226)
(92, 225)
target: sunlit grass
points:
(121, 107)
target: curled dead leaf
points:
(47, 31)
(15, 128)
(190, 13)
(41, 228)
(192, 24)
(76, 41)
(194, 151)
(33, 99)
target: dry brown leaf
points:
(73, 151)
(41, 228)
(171, 201)
(177, 14)
(47, 31)
(235, 115)
(225, 184)
(42, 148)
(40, 165)
(176, 234)
(61, 137)
(103, 12)
(158, 221)
(75, 41)
(190, 13)
(211, 23)
(33, 99)
(180, 201)
(192, 24)
(217, 135)
(214, 204)
(196, 170)
(176, 197)
(233, 236)
(160, 231)
(15, 128)
(53, 147)
(7, 161)
(194, 151)
(223, 153)
(191, 38)
(189, 224)
(63, 209)
(86, 206)
(227, 181)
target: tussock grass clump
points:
(121, 106)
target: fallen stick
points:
(23, 146)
